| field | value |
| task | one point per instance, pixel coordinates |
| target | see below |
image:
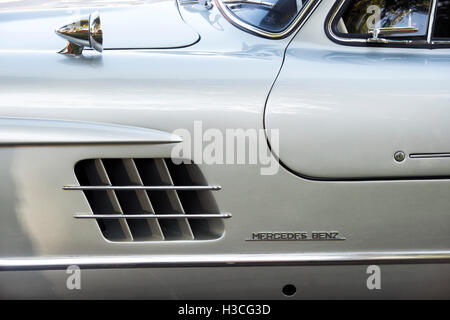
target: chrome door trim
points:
(304, 14)
(431, 27)
(429, 155)
(330, 27)
(225, 260)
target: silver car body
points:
(342, 113)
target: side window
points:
(267, 18)
(413, 23)
(442, 21)
(362, 16)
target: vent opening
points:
(198, 201)
(102, 201)
(133, 187)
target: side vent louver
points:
(149, 200)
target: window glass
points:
(364, 15)
(442, 20)
(268, 15)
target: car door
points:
(353, 105)
(370, 114)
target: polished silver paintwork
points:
(27, 5)
(124, 27)
(22, 131)
(385, 99)
(225, 80)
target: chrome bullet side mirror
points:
(85, 32)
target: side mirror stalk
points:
(376, 33)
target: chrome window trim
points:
(436, 42)
(225, 260)
(302, 16)
(363, 41)
(337, 9)
(431, 21)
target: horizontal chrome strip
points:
(429, 155)
(188, 2)
(224, 260)
(224, 215)
(440, 42)
(151, 188)
(255, 2)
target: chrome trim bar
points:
(151, 188)
(223, 215)
(392, 30)
(440, 42)
(256, 2)
(429, 155)
(225, 260)
(387, 31)
(312, 4)
(188, 2)
(431, 21)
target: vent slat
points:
(121, 172)
(154, 172)
(144, 200)
(176, 203)
(196, 200)
(113, 198)
(149, 200)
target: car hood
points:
(31, 24)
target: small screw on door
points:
(399, 156)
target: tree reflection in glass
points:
(364, 15)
